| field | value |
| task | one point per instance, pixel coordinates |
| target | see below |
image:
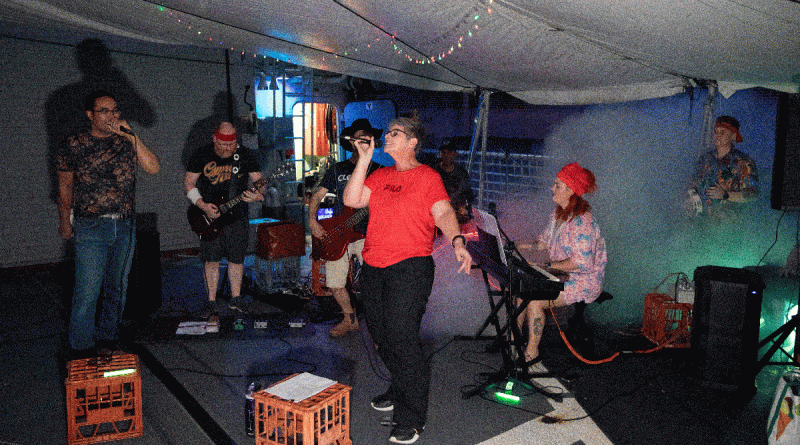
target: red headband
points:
(733, 130)
(225, 137)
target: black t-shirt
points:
(456, 182)
(336, 177)
(335, 180)
(214, 182)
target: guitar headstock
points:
(283, 170)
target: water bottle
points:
(250, 408)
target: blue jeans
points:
(103, 258)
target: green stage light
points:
(119, 372)
(508, 398)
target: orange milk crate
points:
(318, 276)
(322, 419)
(667, 321)
(104, 399)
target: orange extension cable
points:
(614, 355)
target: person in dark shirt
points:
(456, 182)
(334, 181)
(215, 174)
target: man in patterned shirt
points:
(724, 176)
(96, 206)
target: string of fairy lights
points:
(388, 42)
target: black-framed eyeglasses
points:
(394, 131)
(115, 111)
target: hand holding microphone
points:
(121, 126)
(364, 145)
(127, 130)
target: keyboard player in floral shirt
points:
(575, 246)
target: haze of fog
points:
(643, 160)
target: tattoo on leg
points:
(538, 325)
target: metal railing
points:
(508, 176)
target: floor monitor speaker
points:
(725, 324)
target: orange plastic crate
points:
(100, 408)
(318, 285)
(666, 321)
(323, 419)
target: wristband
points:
(193, 195)
(463, 240)
(725, 196)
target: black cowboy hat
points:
(360, 124)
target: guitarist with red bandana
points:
(337, 239)
(214, 174)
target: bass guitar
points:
(209, 228)
(339, 233)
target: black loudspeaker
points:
(786, 169)
(144, 281)
(725, 323)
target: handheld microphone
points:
(378, 142)
(351, 138)
(126, 130)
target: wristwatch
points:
(725, 196)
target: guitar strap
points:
(234, 175)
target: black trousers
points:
(395, 298)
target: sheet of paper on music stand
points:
(300, 387)
(488, 223)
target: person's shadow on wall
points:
(64, 111)
(203, 130)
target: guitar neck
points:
(224, 208)
(357, 217)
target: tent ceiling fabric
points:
(541, 51)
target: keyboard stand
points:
(509, 338)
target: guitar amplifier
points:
(280, 240)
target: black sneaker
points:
(382, 403)
(404, 435)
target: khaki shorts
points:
(336, 271)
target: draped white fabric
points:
(541, 51)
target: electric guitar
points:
(339, 233)
(209, 228)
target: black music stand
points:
(485, 253)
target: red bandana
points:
(225, 137)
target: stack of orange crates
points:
(104, 399)
(322, 419)
(666, 321)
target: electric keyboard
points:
(523, 280)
